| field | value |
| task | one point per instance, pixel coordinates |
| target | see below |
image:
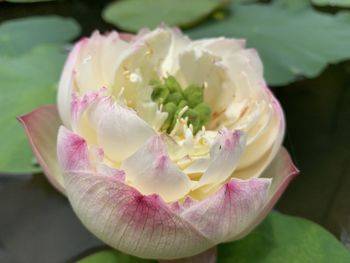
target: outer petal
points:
(230, 210)
(41, 126)
(118, 214)
(270, 138)
(225, 155)
(151, 171)
(282, 171)
(65, 86)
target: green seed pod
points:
(204, 112)
(194, 95)
(155, 83)
(160, 94)
(179, 107)
(172, 84)
(170, 108)
(182, 104)
(175, 97)
(194, 119)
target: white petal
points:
(200, 67)
(246, 71)
(151, 171)
(119, 131)
(221, 46)
(143, 57)
(178, 44)
(225, 154)
(97, 61)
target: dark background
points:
(38, 225)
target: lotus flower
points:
(165, 147)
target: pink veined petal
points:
(230, 210)
(128, 221)
(282, 171)
(121, 216)
(41, 126)
(72, 151)
(150, 170)
(208, 256)
(225, 154)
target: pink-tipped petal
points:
(72, 151)
(139, 225)
(230, 210)
(150, 170)
(225, 154)
(41, 126)
(282, 171)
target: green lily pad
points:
(112, 256)
(292, 38)
(32, 55)
(26, 82)
(287, 239)
(340, 3)
(279, 238)
(20, 35)
(132, 15)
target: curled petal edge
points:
(41, 127)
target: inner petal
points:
(151, 171)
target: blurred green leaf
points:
(281, 238)
(28, 1)
(292, 39)
(132, 15)
(340, 3)
(32, 56)
(112, 256)
(20, 35)
(25, 83)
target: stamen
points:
(182, 111)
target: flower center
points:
(181, 103)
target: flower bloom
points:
(165, 147)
